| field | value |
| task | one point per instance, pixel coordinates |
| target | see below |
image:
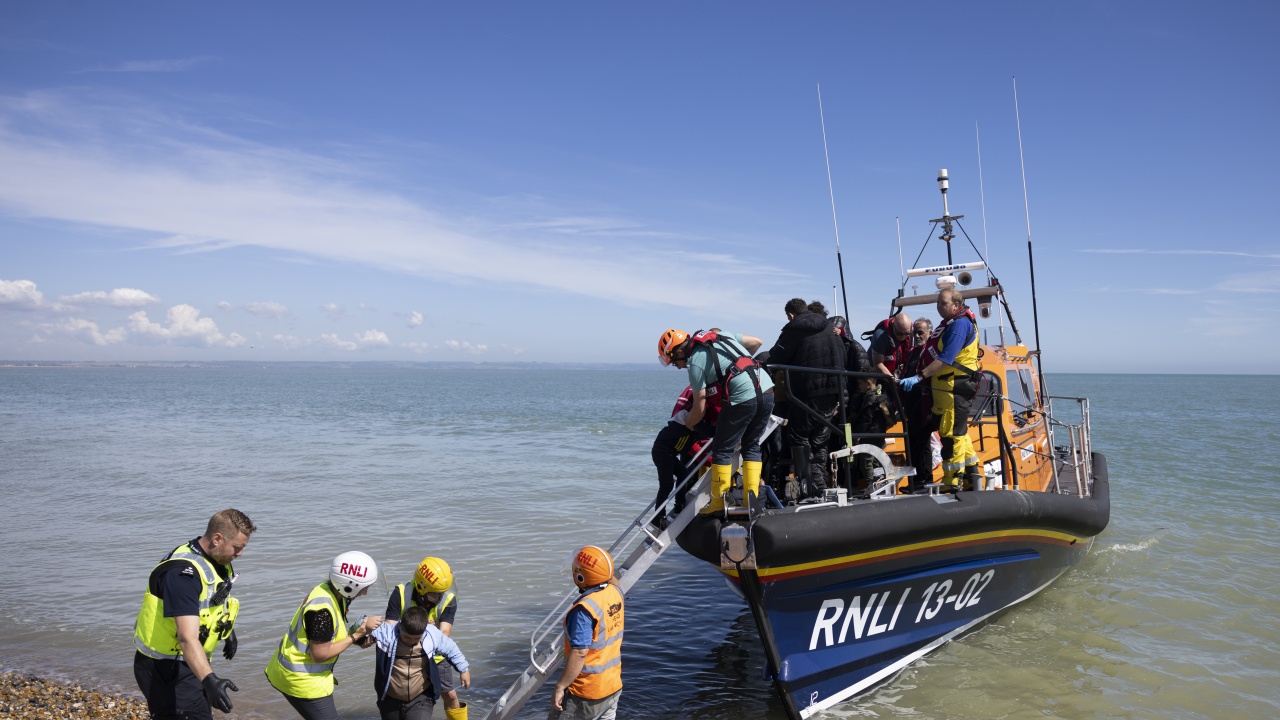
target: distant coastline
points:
(331, 365)
(447, 365)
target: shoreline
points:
(26, 695)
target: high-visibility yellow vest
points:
(156, 636)
(601, 674)
(966, 362)
(433, 616)
(292, 670)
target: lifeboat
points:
(850, 588)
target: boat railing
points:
(844, 428)
(1079, 450)
(635, 550)
(640, 530)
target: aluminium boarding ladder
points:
(642, 544)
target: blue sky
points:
(563, 181)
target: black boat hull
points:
(854, 594)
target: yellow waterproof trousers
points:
(957, 450)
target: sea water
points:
(504, 472)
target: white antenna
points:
(835, 301)
(1035, 313)
(982, 194)
(902, 280)
(831, 190)
(827, 156)
(1021, 160)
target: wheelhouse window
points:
(1018, 386)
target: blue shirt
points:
(581, 628)
(954, 339)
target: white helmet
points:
(352, 572)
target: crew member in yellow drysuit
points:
(952, 371)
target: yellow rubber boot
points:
(750, 479)
(458, 713)
(721, 479)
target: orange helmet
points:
(592, 566)
(668, 343)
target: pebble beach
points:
(27, 697)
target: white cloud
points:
(332, 340)
(85, 331)
(415, 319)
(291, 342)
(185, 327)
(373, 339)
(464, 346)
(118, 298)
(418, 348)
(20, 295)
(1262, 282)
(267, 309)
(120, 164)
(333, 311)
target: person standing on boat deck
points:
(432, 590)
(952, 371)
(302, 666)
(405, 676)
(723, 360)
(674, 446)
(186, 609)
(918, 406)
(890, 343)
(807, 341)
(591, 682)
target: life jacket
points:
(742, 362)
(156, 636)
(292, 670)
(433, 615)
(966, 362)
(900, 349)
(601, 674)
(681, 409)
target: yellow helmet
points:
(592, 566)
(668, 343)
(433, 576)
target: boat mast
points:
(947, 218)
(1035, 314)
(830, 190)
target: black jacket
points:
(808, 342)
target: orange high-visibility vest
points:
(601, 676)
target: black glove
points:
(215, 692)
(230, 645)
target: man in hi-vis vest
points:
(591, 683)
(186, 610)
(302, 666)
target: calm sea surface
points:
(1176, 613)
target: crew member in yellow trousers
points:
(715, 358)
(952, 372)
(432, 590)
